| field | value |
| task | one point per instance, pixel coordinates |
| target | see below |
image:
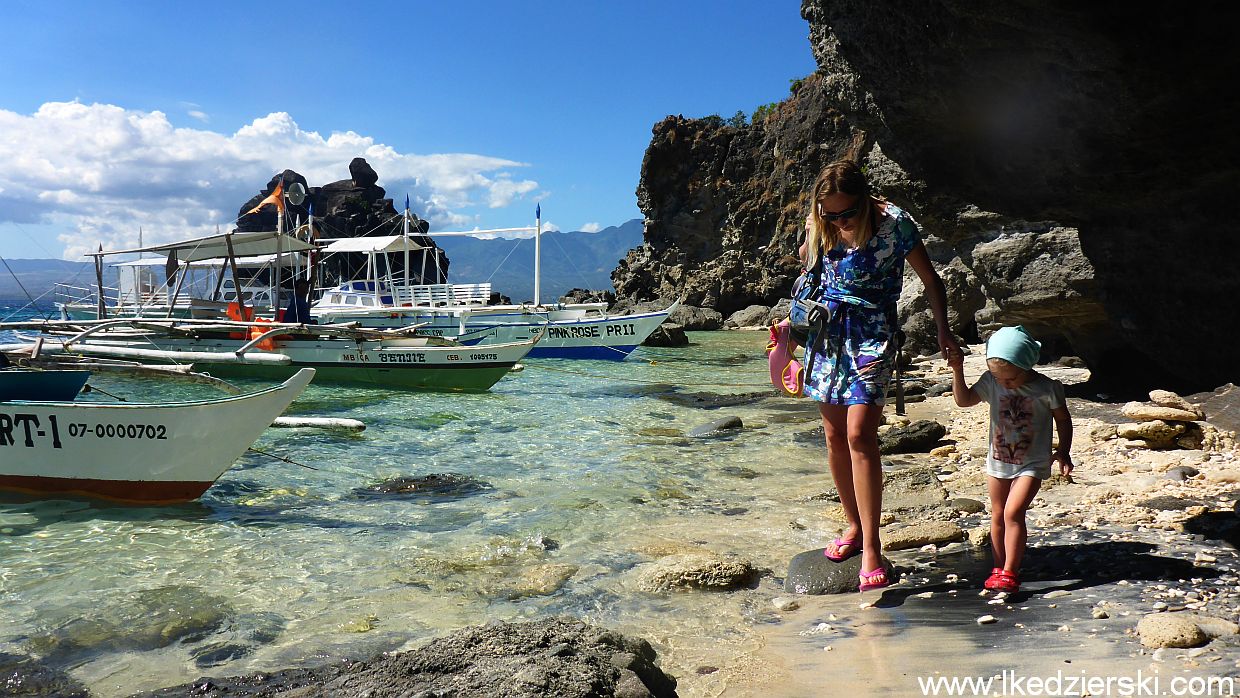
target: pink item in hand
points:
(786, 371)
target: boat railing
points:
(438, 295)
(67, 294)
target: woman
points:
(862, 243)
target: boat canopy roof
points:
(378, 243)
(248, 244)
(261, 260)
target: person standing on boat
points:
(298, 309)
(860, 242)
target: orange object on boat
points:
(234, 313)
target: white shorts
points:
(1011, 471)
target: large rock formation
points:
(347, 208)
(1065, 160)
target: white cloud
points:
(102, 171)
(200, 115)
(591, 228)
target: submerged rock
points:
(717, 427)
(26, 676)
(146, 620)
(696, 570)
(447, 486)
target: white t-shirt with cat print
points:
(1021, 425)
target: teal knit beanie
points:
(1015, 346)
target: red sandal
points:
(1007, 582)
(993, 579)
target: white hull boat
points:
(133, 453)
(390, 359)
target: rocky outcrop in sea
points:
(346, 208)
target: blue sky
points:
(168, 116)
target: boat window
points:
(367, 300)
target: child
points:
(1022, 405)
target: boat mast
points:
(537, 251)
(406, 235)
(101, 311)
(273, 288)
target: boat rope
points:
(94, 388)
(504, 260)
(652, 382)
(23, 288)
(281, 458)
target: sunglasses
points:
(841, 216)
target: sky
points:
(166, 117)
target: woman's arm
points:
(936, 293)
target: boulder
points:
(1145, 412)
(698, 570)
(752, 316)
(667, 335)
(1182, 630)
(811, 572)
(917, 437)
(553, 657)
(694, 318)
(922, 533)
(1157, 433)
(1166, 398)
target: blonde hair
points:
(841, 176)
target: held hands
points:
(955, 359)
(949, 348)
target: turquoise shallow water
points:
(588, 471)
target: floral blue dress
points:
(851, 363)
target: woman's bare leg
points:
(839, 460)
(867, 478)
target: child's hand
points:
(1065, 463)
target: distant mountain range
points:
(569, 260)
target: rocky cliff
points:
(1067, 162)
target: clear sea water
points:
(590, 474)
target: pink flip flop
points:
(786, 371)
(854, 545)
(866, 577)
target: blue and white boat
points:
(388, 298)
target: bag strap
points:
(899, 337)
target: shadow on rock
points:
(1050, 568)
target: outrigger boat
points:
(129, 452)
(401, 359)
(388, 299)
(397, 357)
